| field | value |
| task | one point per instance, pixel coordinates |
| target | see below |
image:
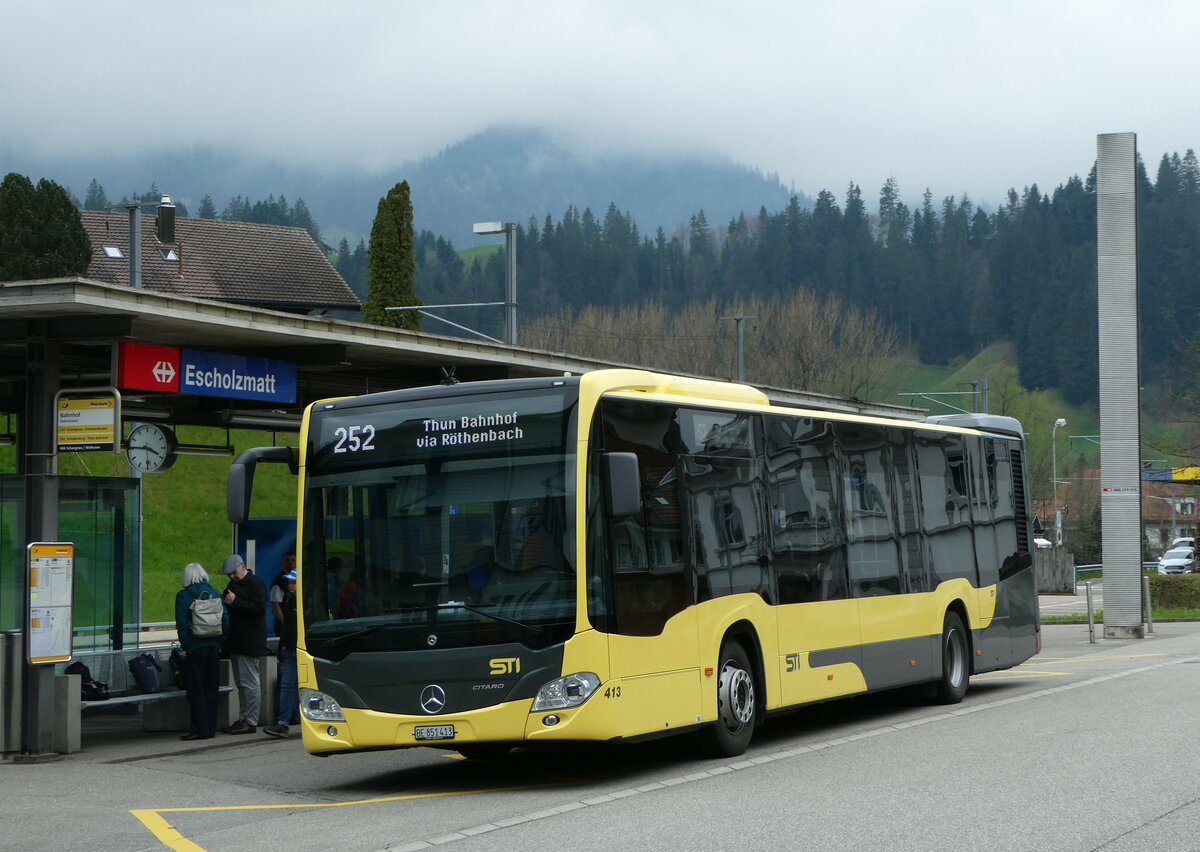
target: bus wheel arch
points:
(740, 693)
(956, 655)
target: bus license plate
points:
(433, 732)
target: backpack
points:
(145, 669)
(206, 616)
(89, 690)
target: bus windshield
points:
(445, 522)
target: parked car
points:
(1178, 560)
(1186, 541)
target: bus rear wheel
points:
(737, 703)
(956, 661)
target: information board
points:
(87, 423)
(51, 567)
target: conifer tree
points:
(95, 199)
(391, 262)
(41, 232)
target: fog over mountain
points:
(502, 173)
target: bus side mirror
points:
(239, 482)
(622, 484)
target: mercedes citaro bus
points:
(623, 554)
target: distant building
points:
(1168, 512)
(264, 266)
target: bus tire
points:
(956, 660)
(484, 751)
(737, 703)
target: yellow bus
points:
(623, 554)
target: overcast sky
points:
(957, 96)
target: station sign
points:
(236, 376)
(168, 369)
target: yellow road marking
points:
(170, 837)
(165, 832)
(1015, 675)
(1041, 660)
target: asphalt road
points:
(1086, 747)
(1075, 604)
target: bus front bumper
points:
(597, 719)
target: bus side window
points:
(940, 466)
(874, 556)
(646, 559)
(905, 488)
(807, 542)
(723, 497)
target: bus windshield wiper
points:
(334, 641)
(533, 629)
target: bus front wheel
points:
(737, 703)
(956, 661)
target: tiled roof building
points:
(262, 265)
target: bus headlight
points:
(320, 707)
(569, 691)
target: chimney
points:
(166, 220)
(135, 244)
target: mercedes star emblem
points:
(431, 639)
(433, 698)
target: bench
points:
(159, 711)
(143, 697)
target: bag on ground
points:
(145, 669)
(206, 616)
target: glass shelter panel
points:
(100, 515)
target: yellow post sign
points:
(87, 423)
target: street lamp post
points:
(1058, 537)
(509, 229)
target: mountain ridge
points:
(510, 173)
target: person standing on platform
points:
(279, 589)
(201, 654)
(246, 643)
(287, 662)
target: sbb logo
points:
(163, 371)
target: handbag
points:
(206, 616)
(145, 669)
(176, 664)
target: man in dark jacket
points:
(246, 602)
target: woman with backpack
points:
(200, 644)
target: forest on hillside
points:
(948, 277)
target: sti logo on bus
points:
(793, 662)
(505, 665)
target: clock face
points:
(151, 448)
